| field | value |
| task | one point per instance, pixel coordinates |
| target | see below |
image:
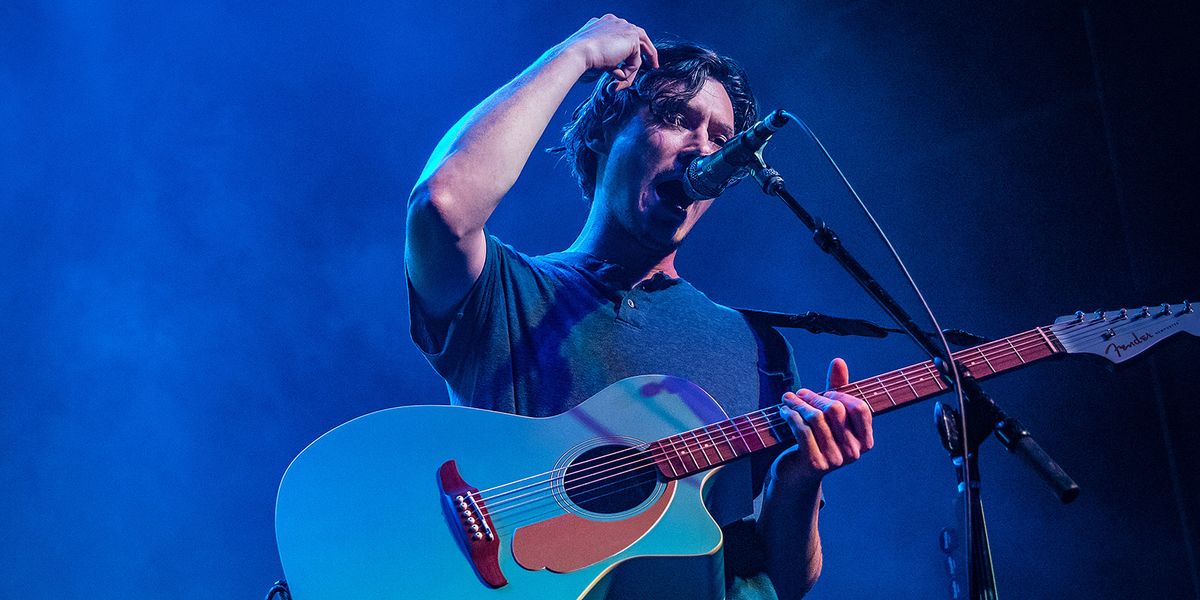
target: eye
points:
(720, 140)
(671, 118)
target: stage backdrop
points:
(202, 229)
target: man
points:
(537, 335)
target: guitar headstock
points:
(1122, 334)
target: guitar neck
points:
(700, 449)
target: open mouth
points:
(671, 193)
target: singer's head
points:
(622, 146)
(684, 67)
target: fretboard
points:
(700, 449)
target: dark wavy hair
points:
(684, 67)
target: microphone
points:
(708, 176)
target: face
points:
(637, 180)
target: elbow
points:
(794, 587)
(793, 580)
(434, 212)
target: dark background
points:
(202, 235)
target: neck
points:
(609, 241)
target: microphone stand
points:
(983, 414)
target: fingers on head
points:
(647, 47)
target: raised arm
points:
(479, 159)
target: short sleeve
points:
(477, 337)
(440, 340)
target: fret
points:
(983, 355)
(916, 394)
(781, 432)
(693, 446)
(857, 390)
(936, 375)
(712, 442)
(683, 466)
(1014, 349)
(1049, 344)
(721, 428)
(740, 435)
(670, 456)
(933, 377)
(758, 434)
(870, 406)
(693, 451)
(742, 432)
(703, 450)
(688, 451)
(674, 471)
(885, 390)
(666, 459)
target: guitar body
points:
(452, 502)
(360, 513)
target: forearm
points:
(787, 525)
(479, 159)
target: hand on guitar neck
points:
(832, 429)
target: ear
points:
(599, 145)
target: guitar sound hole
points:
(610, 479)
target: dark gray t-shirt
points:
(538, 335)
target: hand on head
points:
(612, 45)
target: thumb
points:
(839, 374)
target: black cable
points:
(952, 366)
(279, 590)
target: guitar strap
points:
(819, 323)
(814, 323)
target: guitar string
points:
(865, 391)
(981, 351)
(641, 459)
(538, 512)
(886, 382)
(625, 453)
(1020, 342)
(728, 422)
(508, 516)
(630, 477)
(622, 476)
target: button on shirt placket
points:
(630, 310)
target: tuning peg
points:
(1145, 311)
(1099, 315)
(1124, 314)
(1187, 306)
(1079, 316)
(1166, 309)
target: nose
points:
(698, 144)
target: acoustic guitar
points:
(455, 502)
